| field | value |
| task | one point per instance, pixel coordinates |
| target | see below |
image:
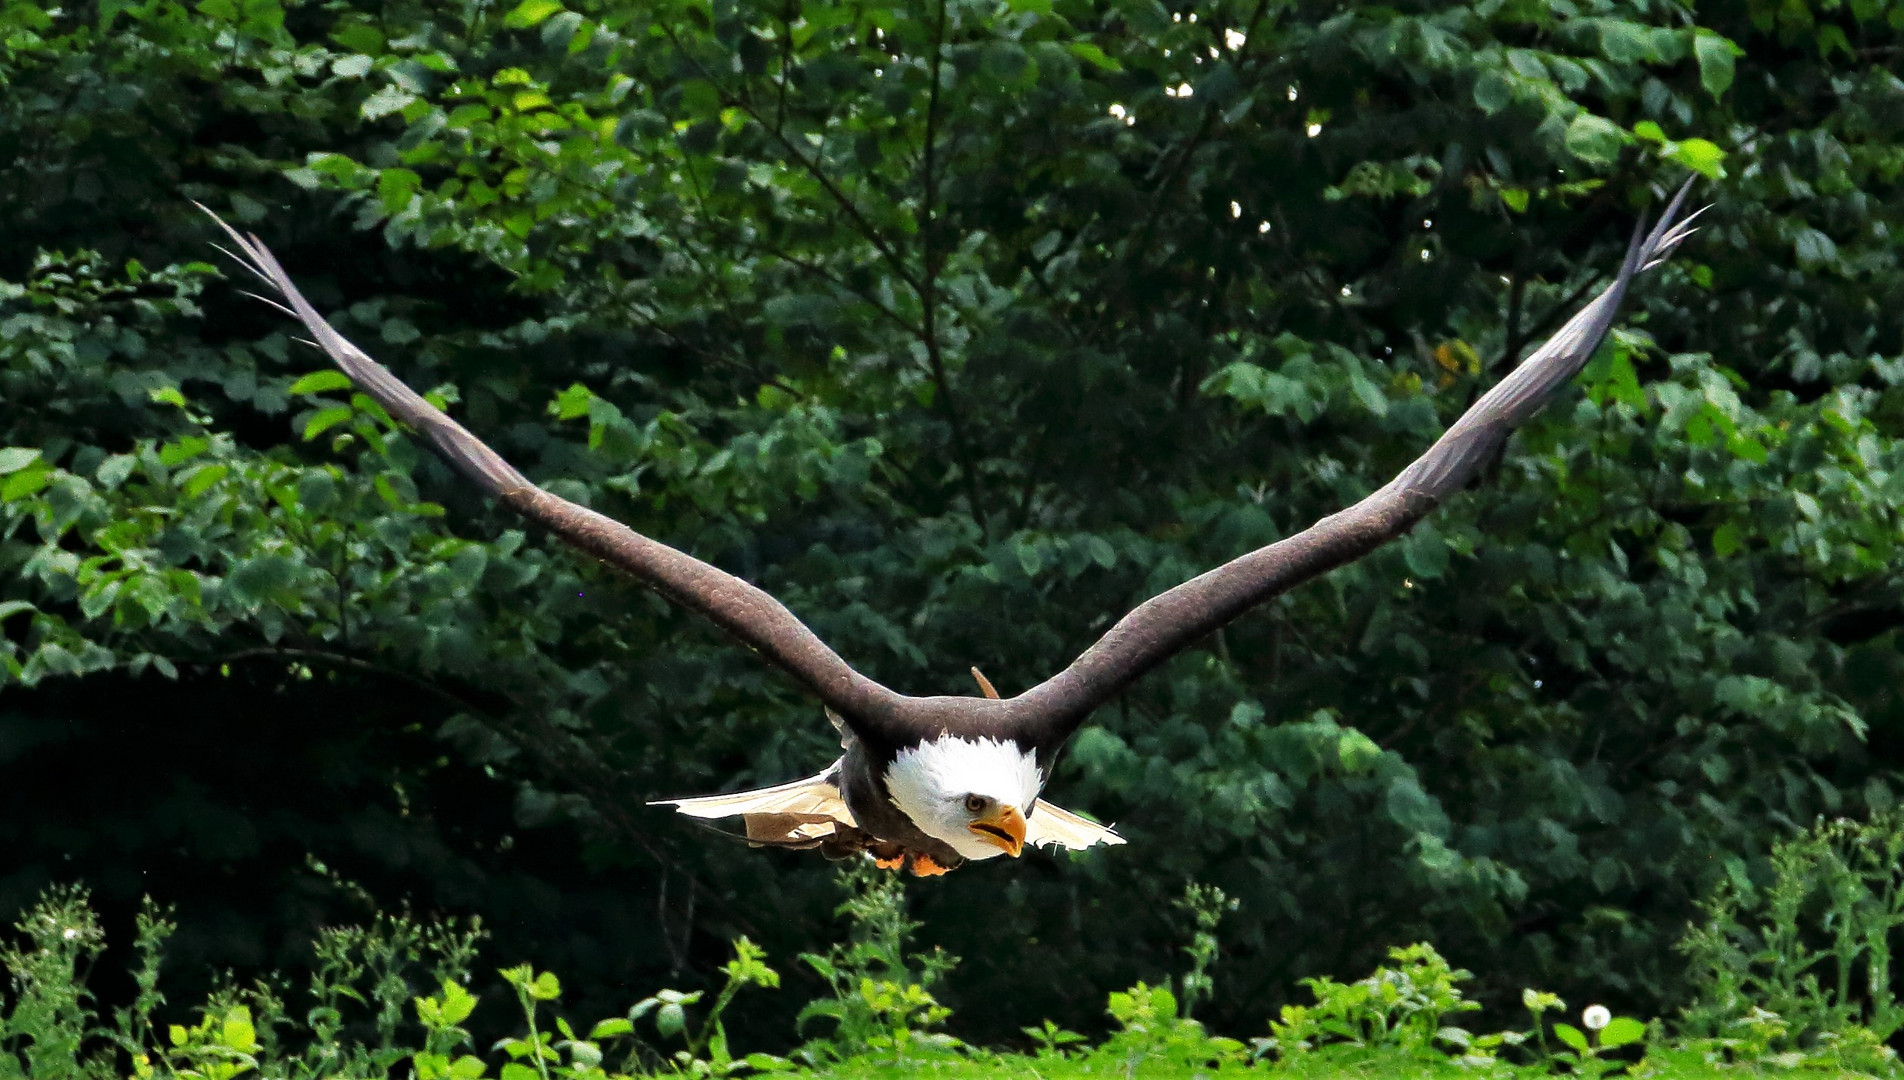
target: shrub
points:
(1798, 969)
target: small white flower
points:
(69, 933)
(1595, 1017)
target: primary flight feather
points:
(931, 782)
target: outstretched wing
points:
(741, 609)
(1154, 631)
(1170, 621)
(1054, 826)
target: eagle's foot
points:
(926, 866)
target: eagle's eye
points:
(975, 803)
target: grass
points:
(1793, 976)
(1334, 1067)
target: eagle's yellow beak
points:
(1004, 827)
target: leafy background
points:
(961, 327)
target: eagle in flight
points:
(931, 782)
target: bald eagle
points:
(932, 782)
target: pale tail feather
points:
(816, 796)
(1059, 827)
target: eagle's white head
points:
(971, 793)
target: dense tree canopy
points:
(960, 326)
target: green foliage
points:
(1401, 1007)
(1400, 1013)
(1389, 1024)
(881, 1003)
(1798, 967)
(1206, 905)
(1152, 1032)
(1586, 1051)
(45, 1029)
(52, 1027)
(540, 1056)
(960, 327)
(748, 968)
(1154, 1026)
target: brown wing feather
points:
(1149, 634)
(1172, 620)
(741, 609)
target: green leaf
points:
(458, 1003)
(325, 419)
(574, 402)
(28, 481)
(1702, 157)
(396, 187)
(1621, 1031)
(202, 478)
(390, 99)
(1594, 138)
(15, 458)
(1572, 1036)
(359, 37)
(238, 1033)
(611, 1027)
(1716, 55)
(14, 607)
(1728, 540)
(1539, 1001)
(1368, 394)
(184, 450)
(1492, 92)
(530, 12)
(546, 987)
(113, 471)
(1426, 554)
(670, 1019)
(1357, 752)
(319, 382)
(1814, 248)
(1093, 55)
